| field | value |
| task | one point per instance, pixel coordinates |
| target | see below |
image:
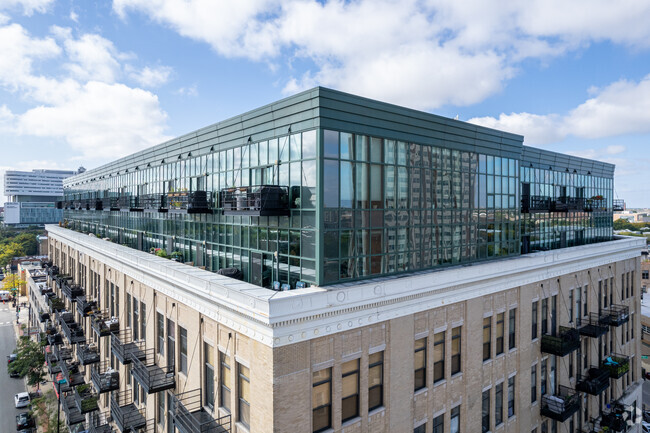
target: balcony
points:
(618, 205)
(189, 416)
(594, 325)
(104, 378)
(124, 348)
(150, 376)
(45, 290)
(188, 202)
(100, 423)
(56, 304)
(619, 418)
(53, 271)
(561, 406)
(567, 341)
(535, 203)
(72, 374)
(62, 353)
(53, 364)
(87, 354)
(596, 203)
(72, 414)
(43, 317)
(73, 332)
(617, 315)
(125, 413)
(72, 291)
(85, 398)
(617, 365)
(594, 382)
(263, 200)
(54, 339)
(154, 202)
(103, 324)
(85, 307)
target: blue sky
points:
(82, 83)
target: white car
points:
(21, 399)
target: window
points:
(171, 342)
(136, 323)
(534, 321)
(439, 424)
(226, 381)
(645, 275)
(498, 404)
(487, 338)
(160, 330)
(511, 397)
(533, 384)
(375, 380)
(454, 423)
(585, 292)
(420, 363)
(183, 358)
(455, 350)
(161, 408)
(350, 384)
(512, 314)
(544, 316)
(500, 318)
(439, 356)
(542, 378)
(243, 390)
(143, 320)
(208, 375)
(422, 428)
(485, 412)
(128, 310)
(321, 396)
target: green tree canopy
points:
(29, 362)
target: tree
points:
(10, 250)
(13, 281)
(29, 361)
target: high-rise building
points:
(349, 266)
(32, 196)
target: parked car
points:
(645, 427)
(11, 358)
(24, 421)
(21, 399)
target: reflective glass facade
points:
(365, 194)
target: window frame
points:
(487, 338)
(439, 357)
(355, 375)
(420, 346)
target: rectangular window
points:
(160, 330)
(322, 399)
(544, 316)
(350, 394)
(208, 375)
(512, 317)
(183, 352)
(375, 380)
(128, 310)
(485, 412)
(454, 422)
(171, 342)
(439, 424)
(542, 378)
(439, 356)
(585, 297)
(487, 338)
(136, 323)
(499, 348)
(243, 390)
(534, 321)
(420, 363)
(422, 428)
(455, 349)
(533, 384)
(511, 397)
(498, 404)
(161, 408)
(226, 381)
(143, 320)
(570, 306)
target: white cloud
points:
(28, 6)
(621, 108)
(151, 76)
(188, 91)
(422, 53)
(74, 17)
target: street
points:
(646, 393)
(8, 385)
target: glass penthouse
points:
(326, 187)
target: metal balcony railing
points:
(85, 399)
(618, 314)
(56, 304)
(562, 405)
(618, 418)
(125, 413)
(150, 376)
(54, 339)
(594, 325)
(85, 307)
(45, 290)
(103, 324)
(104, 378)
(62, 353)
(87, 354)
(617, 365)
(567, 341)
(156, 202)
(72, 291)
(618, 205)
(71, 373)
(594, 382)
(72, 414)
(190, 416)
(261, 200)
(99, 422)
(595, 204)
(53, 364)
(43, 317)
(124, 348)
(190, 202)
(72, 332)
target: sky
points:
(84, 83)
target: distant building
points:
(32, 196)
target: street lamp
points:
(58, 396)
